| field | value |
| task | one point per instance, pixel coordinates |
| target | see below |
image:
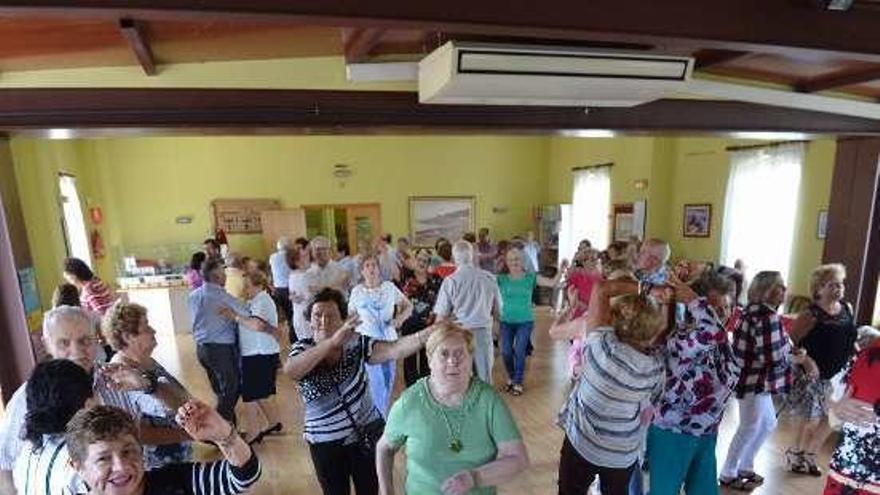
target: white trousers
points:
(757, 420)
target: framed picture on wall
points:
(822, 225)
(433, 217)
(697, 220)
(623, 225)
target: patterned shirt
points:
(763, 351)
(857, 456)
(96, 296)
(422, 296)
(337, 399)
(700, 374)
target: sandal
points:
(516, 390)
(795, 462)
(812, 468)
(739, 484)
(752, 477)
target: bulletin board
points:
(241, 216)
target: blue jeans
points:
(381, 377)
(514, 342)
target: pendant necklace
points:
(454, 436)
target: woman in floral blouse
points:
(421, 288)
(855, 464)
(700, 375)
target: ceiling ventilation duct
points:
(491, 74)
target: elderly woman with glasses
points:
(420, 286)
(459, 435)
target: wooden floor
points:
(287, 467)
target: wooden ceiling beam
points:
(838, 80)
(365, 112)
(769, 26)
(133, 33)
(360, 43)
(717, 57)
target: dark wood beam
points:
(838, 80)
(358, 112)
(360, 42)
(778, 26)
(711, 58)
(133, 33)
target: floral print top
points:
(857, 456)
(700, 374)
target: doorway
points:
(357, 224)
(76, 236)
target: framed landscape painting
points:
(433, 217)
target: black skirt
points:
(258, 374)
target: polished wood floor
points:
(287, 467)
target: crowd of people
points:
(656, 353)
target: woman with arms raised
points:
(460, 437)
(342, 424)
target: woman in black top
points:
(105, 451)
(421, 288)
(827, 332)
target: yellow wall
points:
(691, 170)
(153, 180)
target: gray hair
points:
(319, 240)
(63, 316)
(662, 249)
(282, 243)
(762, 284)
(235, 260)
(463, 253)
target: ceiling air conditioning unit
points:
(491, 74)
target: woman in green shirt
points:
(459, 435)
(517, 319)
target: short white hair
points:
(282, 243)
(661, 248)
(320, 241)
(63, 316)
(463, 253)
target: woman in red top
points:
(446, 267)
(95, 296)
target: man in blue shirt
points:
(216, 335)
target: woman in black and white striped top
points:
(56, 390)
(342, 425)
(103, 447)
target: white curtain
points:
(590, 206)
(761, 207)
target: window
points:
(760, 208)
(76, 236)
(590, 206)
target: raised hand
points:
(346, 331)
(459, 483)
(203, 423)
(124, 377)
(683, 292)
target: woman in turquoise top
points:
(517, 319)
(459, 435)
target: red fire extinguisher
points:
(97, 244)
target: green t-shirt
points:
(416, 421)
(516, 297)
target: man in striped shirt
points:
(104, 449)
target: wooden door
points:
(277, 223)
(364, 225)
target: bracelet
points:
(226, 442)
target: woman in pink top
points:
(583, 277)
(94, 294)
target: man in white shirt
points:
(280, 276)
(470, 298)
(325, 272)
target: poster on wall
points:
(241, 216)
(30, 297)
(431, 218)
